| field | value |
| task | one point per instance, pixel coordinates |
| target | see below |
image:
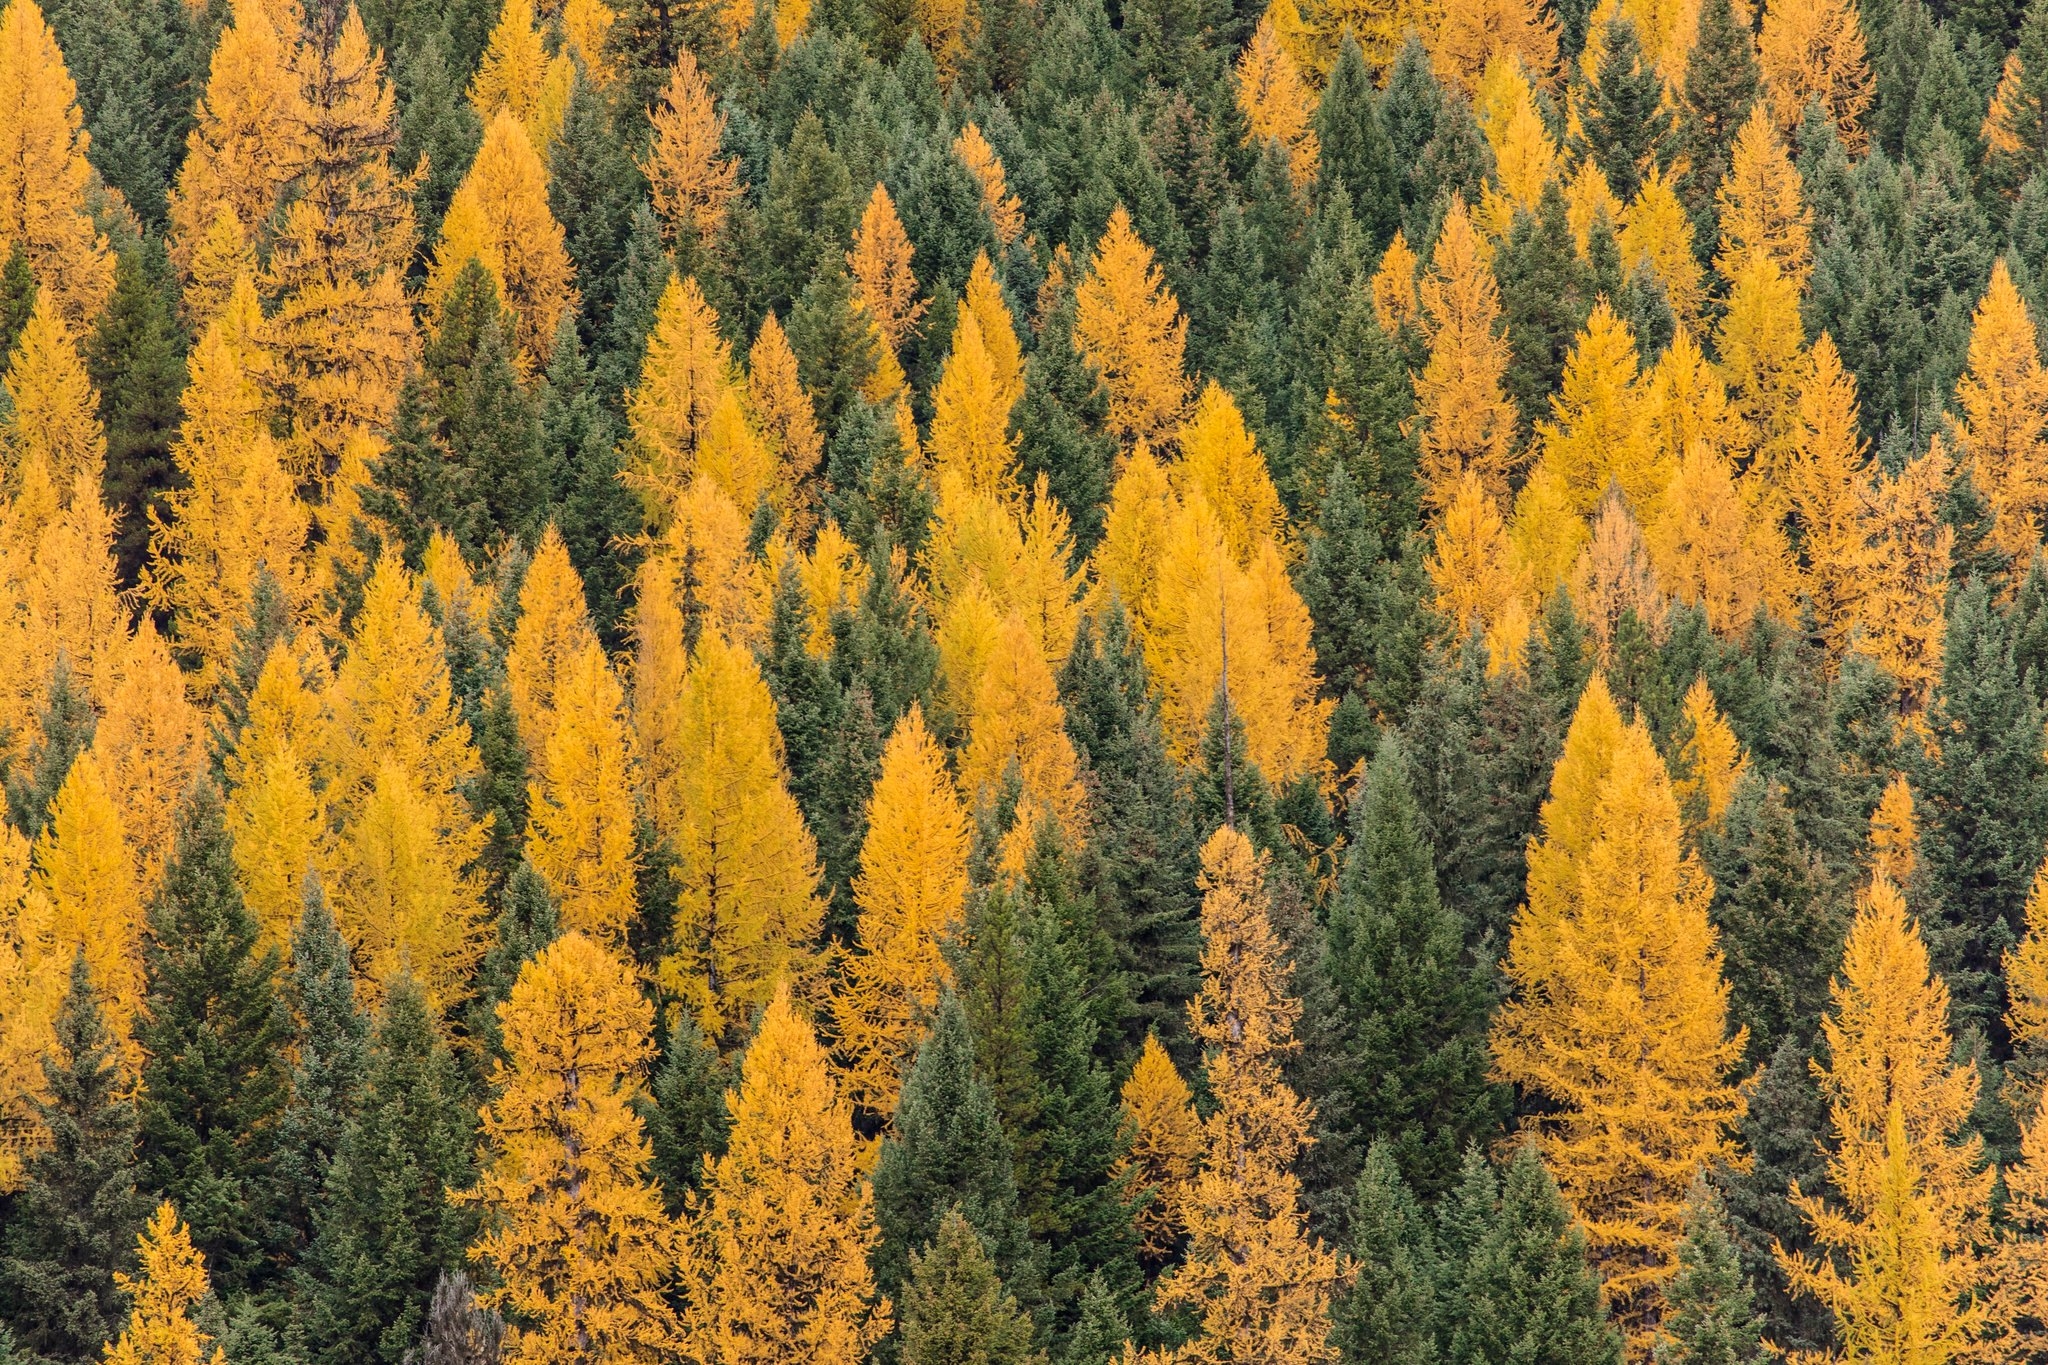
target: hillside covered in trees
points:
(1023, 682)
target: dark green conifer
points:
(1709, 1312)
(1356, 152)
(685, 1114)
(1629, 129)
(1390, 1312)
(1546, 294)
(67, 725)
(956, 1310)
(135, 359)
(1721, 83)
(333, 1045)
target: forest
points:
(1023, 682)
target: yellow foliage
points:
(1830, 489)
(1813, 50)
(1467, 34)
(1005, 212)
(1895, 842)
(32, 981)
(1710, 759)
(1394, 298)
(1464, 417)
(1547, 531)
(1470, 563)
(1277, 103)
(911, 890)
(693, 183)
(151, 743)
(1759, 340)
(580, 810)
(1524, 156)
(1165, 1144)
(1686, 403)
(85, 868)
(44, 176)
(1761, 205)
(2003, 434)
(554, 630)
(789, 424)
(1655, 231)
(1220, 461)
(1129, 328)
(834, 576)
(1597, 436)
(55, 412)
(574, 1227)
(965, 632)
(587, 28)
(1018, 720)
(513, 73)
(1711, 545)
(277, 823)
(406, 903)
(883, 283)
(686, 374)
(1587, 199)
(1905, 609)
(171, 1281)
(1613, 577)
(970, 434)
(1619, 1012)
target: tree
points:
(1005, 212)
(516, 76)
(327, 1074)
(911, 889)
(1629, 127)
(1277, 102)
(214, 1029)
(55, 419)
(1710, 1319)
(684, 409)
(880, 262)
(1610, 885)
(572, 1227)
(774, 1256)
(1720, 88)
(1468, 35)
(1547, 291)
(1165, 1143)
(687, 1118)
(458, 1332)
(1414, 1073)
(747, 906)
(1812, 50)
(2004, 432)
(171, 1280)
(1912, 1200)
(1467, 421)
(135, 359)
(1129, 328)
(84, 866)
(1829, 487)
(1356, 153)
(1761, 202)
(1260, 1285)
(43, 192)
(955, 1309)
(1390, 1313)
(78, 1211)
(580, 826)
(789, 424)
(693, 184)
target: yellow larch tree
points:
(706, 544)
(70, 601)
(1525, 158)
(1019, 722)
(2013, 1324)
(1905, 607)
(240, 154)
(983, 298)
(1588, 200)
(1165, 1143)
(33, 980)
(2003, 434)
(1126, 561)
(1829, 484)
(1596, 436)
(1900, 1241)
(169, 1283)
(1314, 32)
(499, 217)
(554, 629)
(1467, 34)
(1761, 203)
(1710, 759)
(773, 1258)
(1277, 103)
(1714, 546)
(1130, 329)
(970, 432)
(1686, 402)
(1761, 343)
(587, 28)
(2026, 982)
(237, 513)
(580, 810)
(1656, 232)
(514, 74)
(1220, 460)
(1894, 835)
(1395, 301)
(834, 577)
(151, 742)
(1613, 577)
(44, 175)
(1619, 1016)
(693, 183)
(1813, 50)
(1257, 1282)
(408, 902)
(747, 906)
(278, 826)
(55, 412)
(1005, 212)
(85, 868)
(1470, 564)
(883, 284)
(911, 890)
(1464, 419)
(573, 1224)
(789, 423)
(340, 333)
(686, 377)
(286, 710)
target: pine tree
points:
(1260, 1285)
(573, 1229)
(911, 889)
(171, 1280)
(1546, 294)
(134, 360)
(214, 1028)
(1911, 1198)
(75, 1218)
(687, 1117)
(580, 830)
(386, 1232)
(1629, 129)
(1129, 328)
(955, 1309)
(43, 193)
(1609, 878)
(1467, 422)
(774, 1257)
(1710, 1320)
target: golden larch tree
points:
(169, 1282)
(1761, 342)
(1277, 103)
(85, 868)
(1220, 460)
(580, 811)
(278, 825)
(2003, 434)
(970, 433)
(773, 1257)
(1829, 483)
(883, 284)
(1655, 231)
(686, 377)
(693, 183)
(1619, 1016)
(408, 903)
(1130, 329)
(1710, 759)
(33, 980)
(573, 1225)
(789, 423)
(1463, 416)
(1613, 576)
(1165, 1144)
(553, 630)
(1005, 212)
(1596, 437)
(1525, 158)
(1259, 1285)
(1813, 50)
(499, 217)
(43, 171)
(514, 74)
(747, 906)
(1894, 835)
(55, 419)
(1395, 301)
(151, 742)
(1470, 562)
(1905, 607)
(1761, 203)
(1467, 34)
(1020, 723)
(1901, 1262)
(911, 890)
(1714, 546)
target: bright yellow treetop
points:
(1912, 1200)
(1277, 103)
(970, 433)
(86, 868)
(1762, 205)
(43, 170)
(278, 826)
(1394, 299)
(1905, 609)
(553, 630)
(515, 74)
(1710, 759)
(1220, 460)
(1597, 436)
(1463, 415)
(1894, 836)
(2026, 976)
(880, 261)
(1019, 721)
(1005, 212)
(774, 1257)
(55, 417)
(33, 978)
(1760, 340)
(730, 584)
(1468, 33)
(1165, 1144)
(1714, 546)
(170, 1281)
(1829, 485)
(686, 375)
(693, 183)
(151, 743)
(1470, 563)
(1129, 327)
(1619, 1015)
(1259, 1285)
(1813, 50)
(789, 423)
(2004, 432)
(574, 1228)
(1655, 231)
(580, 810)
(911, 890)
(1614, 576)
(1524, 156)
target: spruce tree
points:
(955, 1310)
(685, 1113)
(1783, 1133)
(1415, 1060)
(387, 1232)
(67, 725)
(1060, 422)
(1390, 1313)
(1356, 152)
(1546, 294)
(214, 1031)
(528, 921)
(1709, 1316)
(73, 1225)
(1629, 131)
(1721, 83)
(136, 361)
(596, 514)
(333, 1040)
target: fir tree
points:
(1721, 84)
(1390, 1313)
(333, 1041)
(1356, 152)
(1710, 1320)
(1546, 294)
(214, 1031)
(134, 360)
(1629, 132)
(686, 1115)
(955, 1309)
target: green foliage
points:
(1391, 1312)
(684, 1113)
(329, 1066)
(955, 1310)
(136, 360)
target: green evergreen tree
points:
(808, 213)
(1721, 84)
(67, 725)
(134, 65)
(1783, 1133)
(1356, 152)
(435, 122)
(1546, 294)
(74, 1222)
(1416, 1063)
(388, 1231)
(135, 358)
(17, 300)
(1709, 1315)
(618, 342)
(528, 921)
(214, 1032)
(597, 515)
(1060, 422)
(1629, 129)
(835, 355)
(684, 1112)
(955, 1309)
(327, 1073)
(1389, 1314)
(1098, 1337)
(594, 186)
